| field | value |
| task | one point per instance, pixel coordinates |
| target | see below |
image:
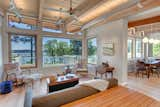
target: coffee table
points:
(63, 82)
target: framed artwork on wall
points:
(108, 49)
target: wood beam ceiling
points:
(97, 10)
(82, 8)
(147, 4)
(40, 10)
(144, 21)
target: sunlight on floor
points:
(149, 87)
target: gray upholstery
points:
(62, 97)
(28, 97)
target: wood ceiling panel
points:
(57, 4)
(63, 3)
(29, 6)
(4, 5)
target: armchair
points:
(13, 72)
(80, 68)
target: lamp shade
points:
(151, 40)
(145, 40)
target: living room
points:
(64, 53)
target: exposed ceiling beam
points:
(85, 6)
(40, 10)
(115, 10)
(148, 4)
(112, 12)
(144, 21)
(100, 9)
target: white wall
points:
(115, 32)
(1, 57)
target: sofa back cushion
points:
(62, 97)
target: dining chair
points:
(156, 69)
(140, 68)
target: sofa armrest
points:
(28, 98)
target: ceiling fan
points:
(70, 12)
(13, 8)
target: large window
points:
(135, 48)
(60, 51)
(130, 48)
(23, 50)
(138, 48)
(156, 50)
(92, 51)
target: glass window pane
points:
(51, 30)
(156, 50)
(23, 50)
(138, 48)
(130, 42)
(60, 51)
(92, 51)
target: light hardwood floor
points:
(115, 97)
(13, 99)
(149, 87)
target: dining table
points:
(151, 64)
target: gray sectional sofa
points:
(65, 96)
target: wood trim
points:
(144, 21)
(9, 49)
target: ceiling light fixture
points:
(145, 40)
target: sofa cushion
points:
(65, 96)
(62, 97)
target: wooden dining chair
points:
(156, 69)
(140, 69)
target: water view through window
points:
(60, 51)
(23, 50)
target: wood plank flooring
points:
(116, 97)
(149, 87)
(13, 99)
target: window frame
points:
(134, 41)
(9, 49)
(58, 65)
